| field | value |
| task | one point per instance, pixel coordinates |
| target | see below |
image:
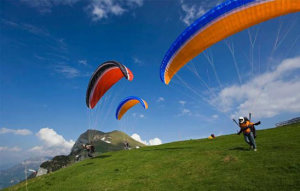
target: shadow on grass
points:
(101, 156)
(239, 149)
(90, 163)
(165, 149)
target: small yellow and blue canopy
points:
(128, 103)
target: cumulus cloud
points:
(10, 149)
(51, 138)
(53, 143)
(266, 95)
(160, 99)
(154, 141)
(15, 131)
(137, 137)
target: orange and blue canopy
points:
(128, 103)
(222, 21)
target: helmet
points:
(241, 119)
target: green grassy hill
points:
(116, 139)
(104, 142)
(224, 163)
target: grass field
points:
(224, 163)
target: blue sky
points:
(50, 48)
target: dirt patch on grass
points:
(229, 158)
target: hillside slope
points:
(221, 164)
(103, 142)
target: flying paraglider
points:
(217, 24)
(105, 76)
(128, 103)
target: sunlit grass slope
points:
(116, 139)
(221, 164)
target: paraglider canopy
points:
(212, 136)
(128, 103)
(105, 76)
(220, 22)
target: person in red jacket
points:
(246, 127)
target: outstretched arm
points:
(257, 123)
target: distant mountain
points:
(15, 174)
(103, 142)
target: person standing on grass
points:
(90, 149)
(246, 127)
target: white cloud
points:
(215, 116)
(193, 12)
(154, 141)
(99, 9)
(53, 143)
(182, 102)
(137, 61)
(138, 115)
(10, 149)
(51, 138)
(52, 41)
(160, 99)
(102, 9)
(184, 112)
(37, 149)
(133, 3)
(15, 131)
(137, 137)
(46, 5)
(83, 62)
(67, 71)
(27, 27)
(266, 95)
